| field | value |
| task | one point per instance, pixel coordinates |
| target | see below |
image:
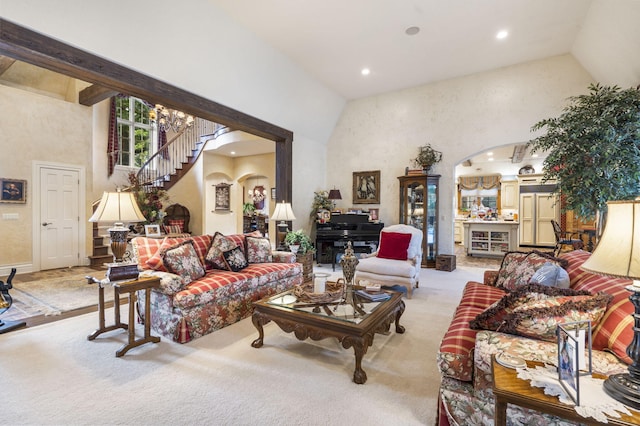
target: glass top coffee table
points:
(353, 328)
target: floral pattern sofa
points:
(483, 326)
(210, 281)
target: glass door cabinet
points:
(419, 208)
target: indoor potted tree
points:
(304, 251)
(427, 157)
(592, 150)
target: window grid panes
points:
(134, 131)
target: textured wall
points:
(36, 127)
(459, 117)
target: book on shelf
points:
(377, 296)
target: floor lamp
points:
(118, 207)
(283, 213)
(618, 254)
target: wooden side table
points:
(129, 287)
(509, 389)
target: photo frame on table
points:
(374, 214)
(152, 230)
(13, 191)
(366, 187)
(574, 356)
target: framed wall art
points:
(13, 190)
(223, 197)
(273, 193)
(366, 187)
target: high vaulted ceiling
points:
(333, 40)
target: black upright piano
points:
(332, 237)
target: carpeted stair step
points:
(99, 260)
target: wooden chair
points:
(564, 238)
(176, 213)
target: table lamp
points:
(283, 213)
(618, 254)
(118, 207)
(334, 194)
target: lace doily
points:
(594, 401)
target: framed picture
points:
(273, 193)
(572, 359)
(366, 187)
(374, 214)
(13, 190)
(223, 197)
(152, 230)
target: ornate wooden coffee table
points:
(509, 389)
(321, 321)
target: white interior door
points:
(59, 218)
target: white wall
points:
(609, 43)
(459, 117)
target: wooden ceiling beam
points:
(94, 94)
(26, 45)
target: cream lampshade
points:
(118, 207)
(618, 254)
(284, 213)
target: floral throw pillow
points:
(183, 260)
(540, 320)
(219, 245)
(235, 259)
(494, 316)
(517, 268)
(258, 250)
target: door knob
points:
(47, 223)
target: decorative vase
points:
(348, 263)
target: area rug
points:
(53, 375)
(53, 296)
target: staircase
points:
(163, 169)
(101, 253)
(167, 166)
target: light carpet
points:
(51, 374)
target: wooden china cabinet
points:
(419, 208)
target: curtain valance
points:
(483, 182)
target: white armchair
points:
(395, 269)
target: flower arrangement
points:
(150, 200)
(427, 157)
(321, 201)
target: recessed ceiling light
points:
(502, 34)
(490, 158)
(490, 153)
(412, 31)
(534, 155)
(365, 71)
(233, 153)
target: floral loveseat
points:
(508, 313)
(209, 282)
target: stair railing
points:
(180, 152)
